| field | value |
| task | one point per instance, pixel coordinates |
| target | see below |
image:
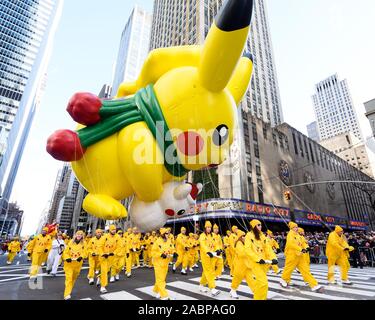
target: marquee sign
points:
(357, 225)
(251, 209)
(317, 219)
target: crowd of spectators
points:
(363, 242)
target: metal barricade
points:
(317, 255)
(367, 255)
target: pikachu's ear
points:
(240, 81)
(225, 43)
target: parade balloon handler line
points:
(229, 225)
(322, 222)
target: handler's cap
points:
(163, 231)
(292, 225)
(338, 229)
(254, 223)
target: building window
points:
(258, 171)
(307, 152)
(256, 151)
(300, 146)
(311, 153)
(255, 134)
(274, 138)
(265, 133)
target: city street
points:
(14, 285)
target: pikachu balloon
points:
(178, 116)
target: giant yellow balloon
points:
(178, 116)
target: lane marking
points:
(172, 294)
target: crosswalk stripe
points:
(172, 294)
(276, 286)
(119, 295)
(194, 288)
(13, 270)
(12, 279)
(241, 292)
(244, 289)
(86, 299)
(337, 275)
(353, 271)
(12, 275)
(324, 281)
(15, 266)
(324, 274)
(344, 290)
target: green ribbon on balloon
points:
(120, 113)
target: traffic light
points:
(287, 195)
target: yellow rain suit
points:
(207, 245)
(13, 249)
(275, 247)
(181, 245)
(107, 247)
(134, 250)
(241, 266)
(161, 251)
(258, 250)
(228, 257)
(232, 240)
(218, 262)
(294, 258)
(120, 255)
(338, 254)
(73, 257)
(29, 249)
(41, 247)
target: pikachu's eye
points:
(220, 135)
(181, 212)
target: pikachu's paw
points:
(104, 207)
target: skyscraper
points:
(64, 199)
(178, 23)
(134, 47)
(59, 191)
(370, 113)
(27, 29)
(313, 131)
(334, 109)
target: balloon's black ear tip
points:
(248, 55)
(235, 15)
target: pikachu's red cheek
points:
(190, 143)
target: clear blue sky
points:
(312, 39)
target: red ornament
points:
(84, 108)
(64, 145)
